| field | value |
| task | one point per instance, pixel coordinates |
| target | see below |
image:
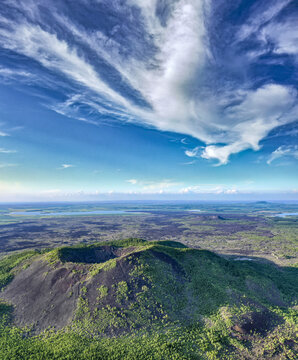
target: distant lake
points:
(67, 213)
(287, 214)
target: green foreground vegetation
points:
(155, 300)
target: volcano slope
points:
(134, 299)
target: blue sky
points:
(161, 99)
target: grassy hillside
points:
(145, 300)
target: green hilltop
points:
(134, 299)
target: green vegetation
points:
(9, 265)
(122, 291)
(103, 291)
(158, 300)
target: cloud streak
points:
(153, 186)
(7, 165)
(7, 151)
(66, 166)
(283, 151)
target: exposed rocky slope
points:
(111, 289)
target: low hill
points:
(134, 299)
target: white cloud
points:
(256, 114)
(56, 54)
(159, 185)
(209, 189)
(6, 151)
(72, 108)
(5, 165)
(260, 17)
(259, 112)
(155, 186)
(231, 191)
(284, 36)
(283, 151)
(193, 152)
(10, 73)
(189, 162)
(173, 80)
(181, 54)
(132, 181)
(66, 166)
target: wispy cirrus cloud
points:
(189, 162)
(209, 189)
(159, 185)
(132, 181)
(163, 65)
(66, 166)
(153, 186)
(7, 151)
(52, 53)
(261, 15)
(283, 35)
(193, 152)
(283, 151)
(12, 73)
(7, 165)
(3, 131)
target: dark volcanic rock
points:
(255, 322)
(44, 296)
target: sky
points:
(148, 99)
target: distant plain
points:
(241, 230)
